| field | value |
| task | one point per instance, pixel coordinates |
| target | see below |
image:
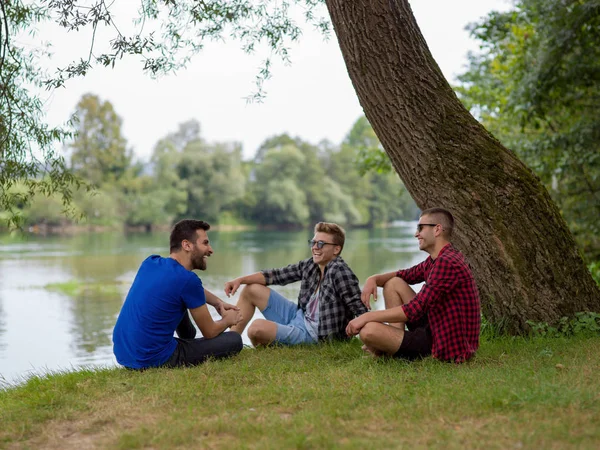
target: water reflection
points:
(2, 317)
(93, 317)
(74, 330)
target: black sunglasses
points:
(421, 225)
(319, 244)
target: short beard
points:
(198, 262)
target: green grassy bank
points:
(517, 393)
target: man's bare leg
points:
(381, 339)
(397, 292)
(262, 332)
(252, 296)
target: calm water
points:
(43, 331)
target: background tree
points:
(279, 197)
(163, 166)
(145, 204)
(101, 207)
(536, 86)
(213, 175)
(373, 180)
(41, 210)
(308, 176)
(326, 180)
(99, 152)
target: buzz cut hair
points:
(443, 217)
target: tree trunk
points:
(523, 256)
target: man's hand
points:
(222, 307)
(370, 288)
(232, 317)
(232, 286)
(355, 325)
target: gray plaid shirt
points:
(339, 301)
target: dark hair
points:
(443, 217)
(186, 230)
(337, 232)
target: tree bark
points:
(523, 256)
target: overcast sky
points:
(313, 98)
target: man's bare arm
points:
(218, 304)
(392, 315)
(232, 286)
(208, 326)
(370, 287)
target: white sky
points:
(313, 98)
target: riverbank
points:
(516, 393)
(74, 229)
(70, 229)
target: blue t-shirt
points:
(162, 292)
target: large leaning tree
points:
(524, 258)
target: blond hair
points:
(338, 233)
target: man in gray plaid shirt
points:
(329, 295)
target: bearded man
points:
(157, 305)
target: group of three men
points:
(442, 320)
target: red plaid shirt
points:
(450, 300)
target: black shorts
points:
(417, 341)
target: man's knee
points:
(232, 341)
(395, 284)
(398, 288)
(255, 293)
(259, 332)
(369, 333)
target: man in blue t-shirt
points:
(157, 305)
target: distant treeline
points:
(289, 183)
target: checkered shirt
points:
(339, 300)
(451, 302)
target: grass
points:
(76, 288)
(517, 393)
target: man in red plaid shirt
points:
(443, 319)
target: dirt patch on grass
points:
(99, 428)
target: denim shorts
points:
(291, 329)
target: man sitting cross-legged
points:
(329, 295)
(163, 292)
(443, 319)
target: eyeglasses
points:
(319, 244)
(421, 225)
